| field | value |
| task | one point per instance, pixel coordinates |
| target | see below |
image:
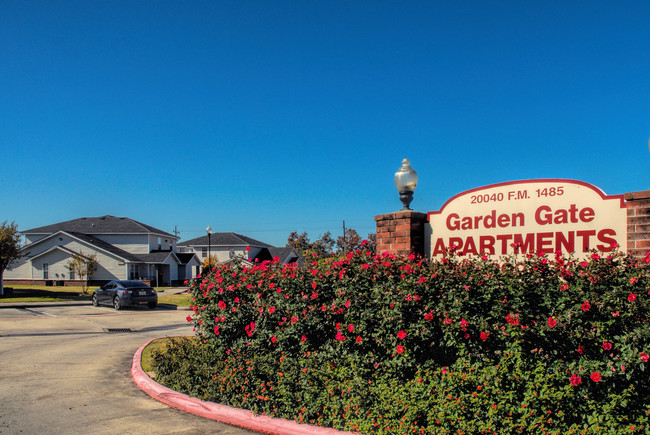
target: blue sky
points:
(265, 117)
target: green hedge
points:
(377, 344)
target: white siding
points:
(133, 243)
(110, 267)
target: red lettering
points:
(439, 249)
(602, 237)
(503, 238)
(563, 243)
(486, 243)
(544, 239)
(547, 219)
(452, 222)
(456, 242)
(490, 220)
(585, 238)
(587, 214)
(527, 244)
(573, 209)
(470, 247)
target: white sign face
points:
(530, 216)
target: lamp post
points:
(405, 180)
(209, 231)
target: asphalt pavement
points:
(65, 369)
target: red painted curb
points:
(214, 411)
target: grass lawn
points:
(147, 352)
(180, 300)
(35, 293)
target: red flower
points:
(632, 297)
(595, 376)
(400, 349)
(358, 339)
(586, 306)
(429, 316)
(644, 356)
(551, 322)
(607, 345)
(564, 287)
(340, 337)
(350, 327)
(271, 310)
(313, 286)
(221, 305)
(189, 319)
(580, 349)
(401, 335)
(484, 335)
(294, 319)
(248, 248)
(274, 339)
(575, 380)
(303, 338)
(216, 330)
(513, 320)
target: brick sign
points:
(534, 216)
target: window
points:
(133, 271)
(71, 274)
(204, 252)
(231, 253)
(46, 274)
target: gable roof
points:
(100, 225)
(225, 239)
(157, 257)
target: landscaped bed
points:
(375, 344)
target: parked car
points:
(121, 294)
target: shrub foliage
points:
(378, 344)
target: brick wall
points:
(638, 222)
(401, 233)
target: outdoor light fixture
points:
(209, 231)
(405, 180)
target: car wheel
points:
(95, 302)
(116, 303)
(152, 305)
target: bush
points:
(380, 344)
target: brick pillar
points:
(638, 222)
(401, 233)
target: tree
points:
(350, 242)
(10, 246)
(324, 246)
(209, 263)
(299, 242)
(84, 266)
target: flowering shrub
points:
(378, 344)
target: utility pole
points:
(176, 232)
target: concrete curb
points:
(225, 414)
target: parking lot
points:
(66, 369)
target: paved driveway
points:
(62, 373)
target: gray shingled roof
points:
(225, 239)
(99, 225)
(105, 246)
(155, 257)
